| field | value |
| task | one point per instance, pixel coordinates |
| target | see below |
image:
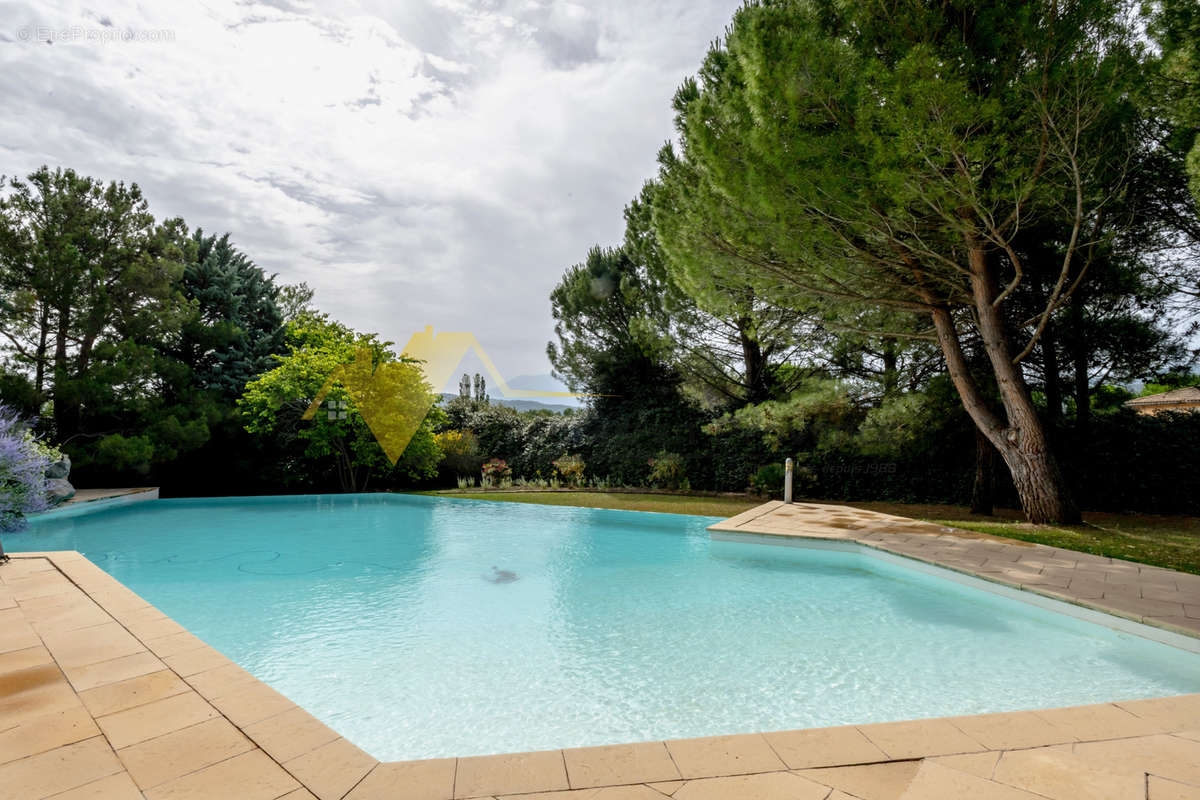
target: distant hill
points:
(519, 405)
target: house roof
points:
(1183, 396)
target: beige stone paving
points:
(1151, 595)
(103, 696)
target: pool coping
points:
(87, 501)
(149, 699)
(1152, 596)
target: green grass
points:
(1163, 541)
(625, 501)
(1160, 540)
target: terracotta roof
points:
(1188, 394)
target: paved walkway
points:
(1160, 597)
(103, 696)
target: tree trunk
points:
(43, 348)
(1020, 437)
(1022, 443)
(1053, 376)
(758, 388)
(1079, 363)
(66, 403)
(891, 375)
(983, 493)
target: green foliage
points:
(570, 468)
(1176, 27)
(668, 471)
(273, 404)
(236, 325)
(460, 452)
(768, 480)
(816, 416)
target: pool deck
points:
(103, 696)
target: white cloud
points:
(440, 162)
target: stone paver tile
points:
(39, 584)
(46, 732)
(1138, 607)
(510, 774)
(63, 612)
(32, 692)
(290, 734)
(430, 779)
(175, 643)
(154, 719)
(868, 782)
(1011, 730)
(588, 767)
(18, 636)
(1162, 789)
(24, 659)
(1095, 722)
(115, 787)
(299, 794)
(1189, 626)
(635, 792)
(202, 659)
(933, 781)
(252, 703)
(122, 695)
(59, 769)
(1167, 594)
(1166, 756)
(332, 769)
(716, 756)
(91, 645)
(763, 786)
(250, 776)
(920, 738)
(175, 754)
(1168, 713)
(118, 669)
(666, 787)
(824, 747)
(1063, 776)
(148, 626)
(221, 681)
(979, 764)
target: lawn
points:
(1163, 541)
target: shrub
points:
(571, 468)
(495, 472)
(460, 451)
(667, 471)
(23, 463)
(768, 481)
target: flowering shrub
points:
(571, 468)
(460, 451)
(495, 470)
(667, 471)
(23, 463)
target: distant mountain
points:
(519, 404)
(546, 383)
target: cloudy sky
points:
(417, 162)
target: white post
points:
(787, 481)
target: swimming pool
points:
(422, 627)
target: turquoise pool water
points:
(420, 626)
